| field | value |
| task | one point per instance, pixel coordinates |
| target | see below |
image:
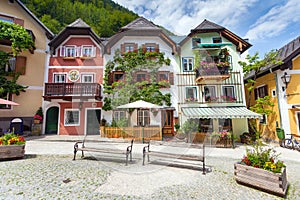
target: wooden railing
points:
(137, 133)
(73, 90)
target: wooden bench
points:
(178, 156)
(102, 149)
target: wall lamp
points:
(286, 78)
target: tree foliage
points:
(104, 16)
(129, 90)
(20, 41)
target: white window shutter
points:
(94, 51)
(78, 51)
(62, 51)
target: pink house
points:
(73, 91)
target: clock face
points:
(73, 75)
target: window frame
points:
(59, 74)
(66, 51)
(217, 40)
(142, 119)
(91, 49)
(195, 96)
(189, 61)
(119, 115)
(75, 123)
(214, 91)
(261, 91)
(139, 74)
(224, 87)
(87, 75)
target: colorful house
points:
(281, 83)
(31, 65)
(73, 91)
(142, 35)
(210, 82)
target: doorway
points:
(52, 120)
(93, 117)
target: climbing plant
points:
(128, 89)
(19, 40)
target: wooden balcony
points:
(69, 91)
(212, 74)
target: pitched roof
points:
(48, 33)
(286, 54)
(140, 27)
(79, 23)
(141, 24)
(78, 27)
(208, 27)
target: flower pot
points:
(274, 183)
(12, 151)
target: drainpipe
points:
(277, 92)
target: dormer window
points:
(217, 40)
(88, 51)
(129, 48)
(150, 48)
(68, 51)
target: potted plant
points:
(12, 146)
(260, 168)
(38, 117)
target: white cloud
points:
(275, 21)
(183, 15)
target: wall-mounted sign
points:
(73, 75)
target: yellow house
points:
(14, 11)
(282, 84)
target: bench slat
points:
(179, 156)
(116, 151)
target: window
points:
(225, 124)
(119, 115)
(71, 117)
(205, 125)
(17, 64)
(6, 19)
(163, 76)
(129, 48)
(88, 51)
(150, 48)
(140, 77)
(7, 97)
(261, 92)
(143, 118)
(228, 94)
(187, 64)
(210, 93)
(118, 76)
(217, 40)
(59, 78)
(196, 42)
(87, 78)
(263, 120)
(70, 51)
(190, 94)
(274, 93)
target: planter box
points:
(12, 151)
(274, 183)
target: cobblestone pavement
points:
(53, 175)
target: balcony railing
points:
(69, 91)
(212, 71)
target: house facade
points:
(210, 82)
(73, 90)
(31, 65)
(142, 35)
(281, 83)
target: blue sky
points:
(268, 24)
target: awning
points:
(219, 112)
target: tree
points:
(20, 41)
(128, 89)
